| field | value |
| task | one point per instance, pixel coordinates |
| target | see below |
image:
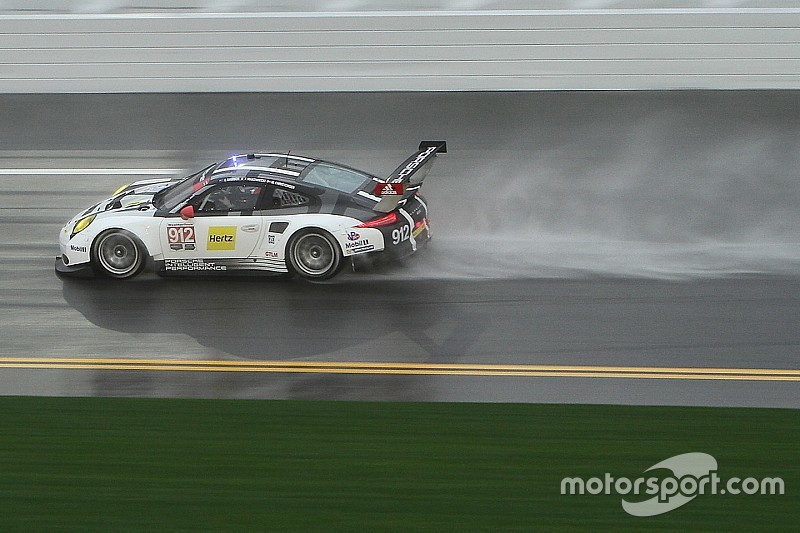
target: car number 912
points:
(180, 234)
(401, 234)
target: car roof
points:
(281, 167)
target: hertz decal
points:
(221, 238)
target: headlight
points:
(81, 225)
(121, 189)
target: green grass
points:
(144, 464)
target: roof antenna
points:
(287, 159)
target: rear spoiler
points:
(408, 177)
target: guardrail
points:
(402, 51)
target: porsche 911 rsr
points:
(274, 213)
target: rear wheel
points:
(315, 255)
(118, 254)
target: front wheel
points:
(118, 254)
(315, 255)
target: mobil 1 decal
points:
(181, 237)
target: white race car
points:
(272, 213)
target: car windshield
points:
(172, 196)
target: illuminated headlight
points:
(121, 189)
(81, 225)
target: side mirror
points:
(187, 212)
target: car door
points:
(278, 206)
(223, 226)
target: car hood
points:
(133, 195)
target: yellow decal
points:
(221, 238)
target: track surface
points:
(734, 304)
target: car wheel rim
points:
(313, 254)
(118, 254)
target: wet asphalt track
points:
(446, 306)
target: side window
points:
(335, 177)
(228, 197)
(282, 198)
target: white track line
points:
(89, 171)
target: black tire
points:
(118, 254)
(314, 255)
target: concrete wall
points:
(401, 51)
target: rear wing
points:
(408, 177)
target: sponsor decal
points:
(355, 244)
(221, 238)
(353, 236)
(412, 166)
(192, 265)
(389, 189)
(359, 249)
(271, 239)
(358, 246)
(271, 255)
(81, 249)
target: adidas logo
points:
(390, 189)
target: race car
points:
(253, 213)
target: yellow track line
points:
(402, 368)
